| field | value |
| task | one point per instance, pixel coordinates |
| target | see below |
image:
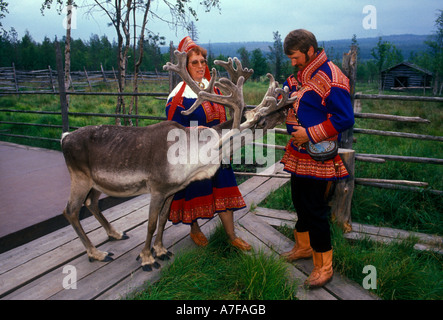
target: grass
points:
(78, 103)
(402, 273)
(221, 272)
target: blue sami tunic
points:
(324, 109)
(201, 199)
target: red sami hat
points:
(186, 44)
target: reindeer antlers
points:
(269, 102)
(274, 99)
(235, 73)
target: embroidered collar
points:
(306, 74)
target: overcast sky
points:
(249, 20)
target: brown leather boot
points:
(302, 248)
(322, 272)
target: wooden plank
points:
(397, 233)
(275, 222)
(388, 240)
(274, 213)
(276, 218)
(64, 253)
(273, 238)
(22, 254)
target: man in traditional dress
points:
(322, 111)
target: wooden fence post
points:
(350, 70)
(87, 78)
(51, 80)
(344, 189)
(15, 77)
(61, 88)
(103, 73)
(173, 77)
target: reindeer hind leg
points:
(79, 191)
(92, 204)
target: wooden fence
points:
(18, 81)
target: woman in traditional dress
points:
(202, 199)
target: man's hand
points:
(299, 136)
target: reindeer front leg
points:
(92, 204)
(160, 251)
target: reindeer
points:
(130, 161)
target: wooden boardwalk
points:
(34, 186)
(360, 231)
(36, 270)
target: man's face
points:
(301, 60)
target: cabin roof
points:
(410, 65)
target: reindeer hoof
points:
(108, 257)
(148, 267)
(124, 237)
(105, 259)
(166, 256)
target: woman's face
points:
(197, 66)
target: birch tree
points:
(69, 5)
(120, 13)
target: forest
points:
(145, 54)
(27, 54)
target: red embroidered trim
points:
(220, 200)
(320, 83)
(338, 78)
(178, 99)
(302, 164)
(291, 119)
(322, 131)
(306, 74)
